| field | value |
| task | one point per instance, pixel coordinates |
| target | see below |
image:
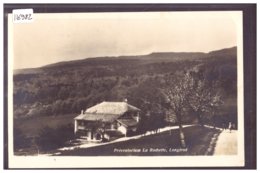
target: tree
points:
(205, 97)
(52, 138)
(20, 140)
(177, 91)
(97, 127)
(150, 100)
(213, 106)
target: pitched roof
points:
(128, 122)
(97, 117)
(118, 108)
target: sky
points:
(52, 38)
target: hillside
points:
(69, 87)
(46, 99)
(150, 58)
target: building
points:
(107, 120)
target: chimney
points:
(82, 112)
(125, 100)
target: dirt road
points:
(226, 143)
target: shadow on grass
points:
(198, 140)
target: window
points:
(81, 123)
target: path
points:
(226, 143)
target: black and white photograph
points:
(125, 87)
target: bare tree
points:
(96, 127)
(205, 98)
(177, 91)
(188, 91)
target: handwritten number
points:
(23, 16)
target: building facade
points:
(107, 120)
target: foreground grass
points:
(166, 143)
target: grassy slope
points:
(197, 139)
(31, 126)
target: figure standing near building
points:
(230, 127)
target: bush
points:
(20, 141)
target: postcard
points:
(125, 89)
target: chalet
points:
(106, 120)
